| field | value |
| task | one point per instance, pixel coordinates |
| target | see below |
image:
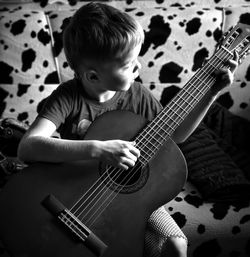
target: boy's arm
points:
(224, 78)
(37, 145)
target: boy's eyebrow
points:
(124, 62)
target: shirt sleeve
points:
(58, 105)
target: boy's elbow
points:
(178, 139)
(23, 151)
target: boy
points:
(102, 45)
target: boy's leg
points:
(164, 237)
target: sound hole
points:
(124, 181)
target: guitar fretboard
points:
(166, 122)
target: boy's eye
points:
(130, 64)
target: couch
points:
(213, 207)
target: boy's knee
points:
(175, 247)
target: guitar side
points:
(29, 229)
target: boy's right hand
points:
(118, 153)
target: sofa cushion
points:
(26, 52)
(23, 101)
(212, 229)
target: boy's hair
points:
(100, 32)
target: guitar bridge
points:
(85, 235)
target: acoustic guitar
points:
(88, 208)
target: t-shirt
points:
(72, 111)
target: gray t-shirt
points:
(71, 110)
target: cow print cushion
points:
(28, 70)
(26, 53)
(23, 101)
(213, 229)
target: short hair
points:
(100, 32)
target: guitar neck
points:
(191, 94)
(166, 122)
(162, 127)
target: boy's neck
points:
(104, 97)
(99, 96)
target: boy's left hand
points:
(225, 76)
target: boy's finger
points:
(236, 56)
(233, 63)
(134, 150)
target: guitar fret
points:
(145, 153)
(211, 65)
(161, 128)
(181, 107)
(201, 81)
(216, 56)
(172, 119)
(226, 50)
(190, 94)
(186, 102)
(149, 130)
(153, 137)
(177, 115)
(144, 160)
(147, 145)
(150, 155)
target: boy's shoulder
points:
(138, 87)
(69, 87)
(140, 90)
(69, 84)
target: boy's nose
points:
(137, 66)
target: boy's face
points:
(119, 75)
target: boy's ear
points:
(91, 76)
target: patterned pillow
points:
(25, 49)
(23, 101)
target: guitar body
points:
(28, 229)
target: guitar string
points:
(177, 113)
(115, 193)
(75, 228)
(191, 84)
